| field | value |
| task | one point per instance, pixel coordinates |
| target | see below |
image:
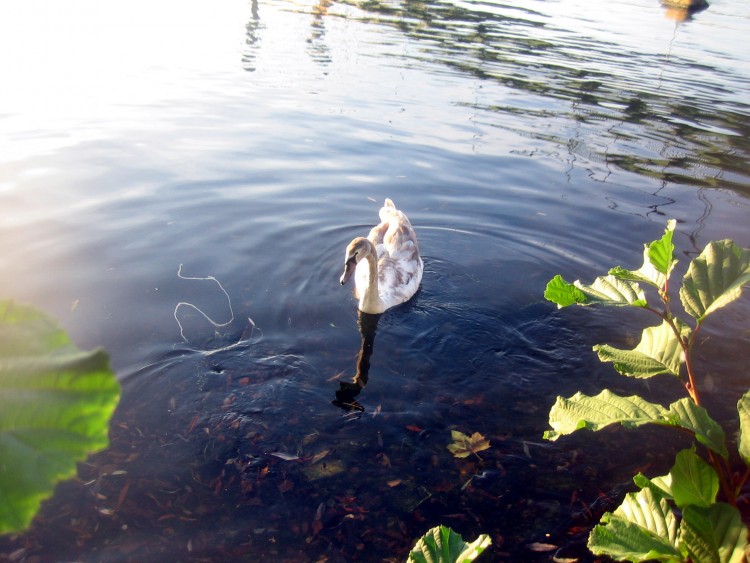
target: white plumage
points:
(386, 265)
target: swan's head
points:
(355, 252)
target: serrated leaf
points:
(595, 413)
(563, 293)
(692, 481)
(661, 252)
(642, 528)
(633, 275)
(55, 405)
(464, 445)
(658, 261)
(714, 534)
(659, 351)
(743, 441)
(661, 487)
(686, 414)
(606, 290)
(442, 545)
(715, 278)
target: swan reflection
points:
(346, 395)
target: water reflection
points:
(319, 50)
(346, 395)
(682, 10)
(690, 139)
(253, 29)
(317, 44)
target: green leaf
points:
(642, 528)
(595, 413)
(55, 405)
(713, 534)
(715, 278)
(442, 545)
(659, 351)
(661, 487)
(692, 481)
(743, 442)
(606, 290)
(563, 293)
(658, 261)
(684, 413)
(661, 252)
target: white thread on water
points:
(216, 325)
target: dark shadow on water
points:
(346, 395)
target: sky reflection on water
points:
(151, 151)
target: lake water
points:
(178, 182)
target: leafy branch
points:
(672, 525)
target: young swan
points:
(386, 265)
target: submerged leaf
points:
(715, 278)
(285, 456)
(606, 290)
(659, 351)
(442, 545)
(715, 533)
(55, 406)
(463, 445)
(643, 527)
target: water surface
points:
(178, 183)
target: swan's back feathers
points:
(399, 264)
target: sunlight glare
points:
(88, 61)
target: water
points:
(178, 183)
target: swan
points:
(386, 265)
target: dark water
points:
(178, 184)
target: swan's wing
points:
(399, 266)
(401, 240)
(398, 279)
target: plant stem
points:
(686, 345)
(722, 470)
(741, 483)
(691, 381)
(719, 464)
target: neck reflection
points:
(346, 395)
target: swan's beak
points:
(349, 268)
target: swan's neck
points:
(369, 301)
